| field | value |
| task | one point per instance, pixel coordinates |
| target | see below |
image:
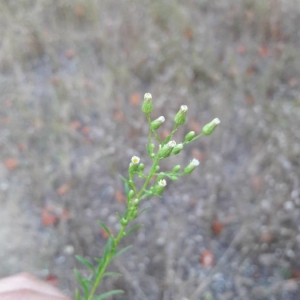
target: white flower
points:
(147, 96)
(161, 119)
(195, 162)
(162, 183)
(183, 108)
(216, 121)
(135, 160)
(172, 144)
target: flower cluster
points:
(154, 184)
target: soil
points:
(73, 75)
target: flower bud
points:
(157, 122)
(189, 136)
(134, 164)
(177, 149)
(192, 165)
(147, 104)
(141, 167)
(151, 147)
(176, 169)
(180, 117)
(166, 150)
(136, 202)
(152, 155)
(130, 194)
(210, 127)
(124, 222)
(159, 188)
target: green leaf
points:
(105, 229)
(124, 179)
(134, 228)
(107, 248)
(107, 294)
(119, 215)
(111, 274)
(77, 295)
(83, 282)
(85, 262)
(122, 251)
(126, 188)
(143, 210)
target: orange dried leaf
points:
(63, 189)
(120, 197)
(249, 99)
(86, 129)
(119, 116)
(104, 234)
(65, 215)
(11, 163)
(48, 217)
(207, 258)
(263, 51)
(217, 227)
(70, 53)
(195, 126)
(75, 125)
(188, 33)
(135, 99)
(196, 153)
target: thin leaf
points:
(143, 210)
(124, 179)
(85, 262)
(105, 229)
(134, 228)
(111, 274)
(122, 251)
(83, 282)
(119, 215)
(107, 248)
(126, 188)
(107, 294)
(77, 295)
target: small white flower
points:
(161, 119)
(147, 96)
(195, 162)
(216, 121)
(162, 183)
(183, 108)
(135, 160)
(172, 144)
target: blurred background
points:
(72, 78)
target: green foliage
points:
(134, 195)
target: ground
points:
(72, 78)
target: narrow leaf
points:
(77, 295)
(107, 248)
(111, 274)
(134, 228)
(107, 294)
(119, 215)
(85, 262)
(83, 282)
(122, 251)
(143, 210)
(124, 179)
(105, 229)
(126, 188)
